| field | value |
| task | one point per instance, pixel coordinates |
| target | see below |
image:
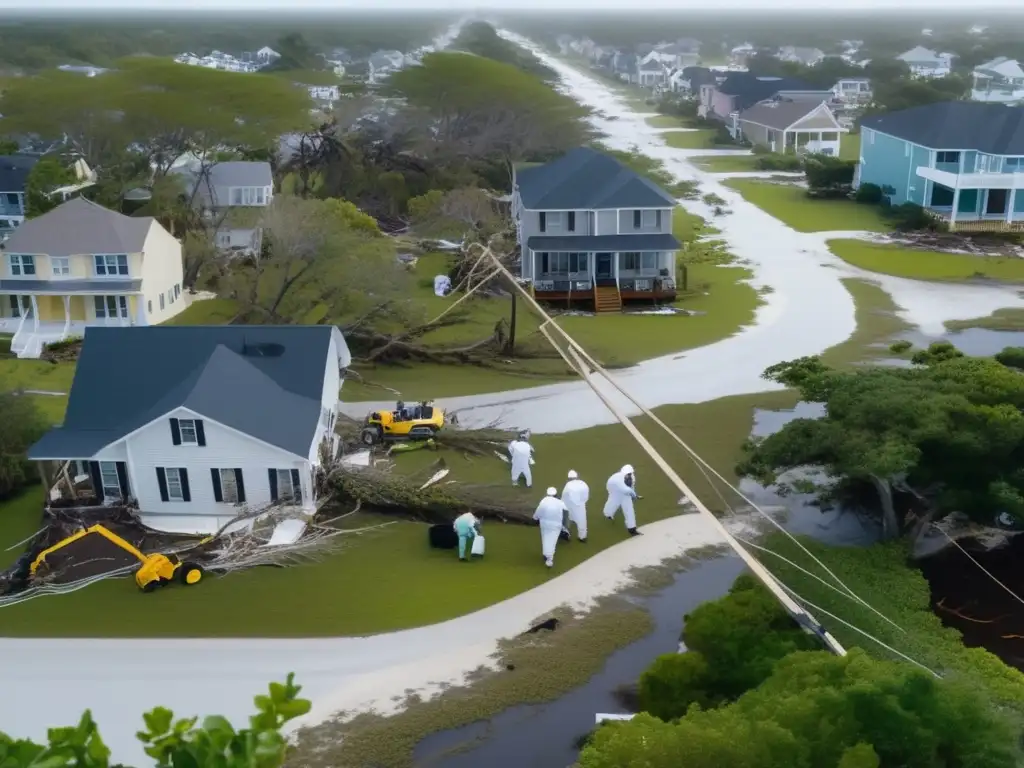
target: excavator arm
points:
(97, 529)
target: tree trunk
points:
(510, 342)
(890, 524)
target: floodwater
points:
(976, 342)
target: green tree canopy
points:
(21, 424)
(480, 109)
(482, 39)
(46, 175)
(948, 436)
(817, 710)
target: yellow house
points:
(80, 265)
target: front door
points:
(995, 204)
(603, 266)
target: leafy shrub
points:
(910, 217)
(868, 194)
(937, 352)
(899, 347)
(776, 162)
(1011, 357)
(21, 424)
(825, 172)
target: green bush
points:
(909, 217)
(21, 424)
(868, 194)
(1011, 357)
(777, 162)
(899, 347)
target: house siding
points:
(756, 134)
(152, 447)
(531, 224)
(161, 271)
(815, 123)
(886, 162)
(606, 222)
(626, 223)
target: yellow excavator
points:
(156, 569)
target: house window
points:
(110, 307)
(635, 261)
(650, 219)
(21, 265)
(228, 486)
(12, 198)
(285, 485)
(248, 195)
(236, 196)
(554, 219)
(22, 307)
(109, 480)
(187, 428)
(111, 265)
(61, 265)
(572, 221)
(175, 490)
(177, 290)
(631, 261)
(224, 239)
(161, 301)
(563, 263)
(947, 157)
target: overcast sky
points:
(457, 5)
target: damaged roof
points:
(264, 381)
(585, 179)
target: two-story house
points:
(926, 63)
(961, 160)
(212, 421)
(14, 171)
(742, 90)
(590, 229)
(999, 80)
(852, 90)
(235, 195)
(81, 265)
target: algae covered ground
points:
(918, 264)
(790, 204)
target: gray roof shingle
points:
(952, 125)
(208, 369)
(80, 226)
(14, 170)
(602, 243)
(586, 179)
(778, 114)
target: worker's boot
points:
(634, 532)
(583, 541)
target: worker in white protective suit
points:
(521, 453)
(621, 493)
(575, 496)
(550, 513)
(467, 527)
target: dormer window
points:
(22, 265)
(111, 265)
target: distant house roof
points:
(778, 114)
(1002, 67)
(14, 170)
(80, 226)
(953, 125)
(920, 55)
(233, 173)
(587, 179)
(652, 66)
(748, 89)
(227, 373)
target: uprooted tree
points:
(944, 436)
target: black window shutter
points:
(241, 485)
(296, 486)
(186, 492)
(544, 263)
(636, 219)
(200, 432)
(218, 495)
(122, 478)
(161, 480)
(543, 222)
(175, 433)
(272, 475)
(657, 219)
(97, 478)
(572, 221)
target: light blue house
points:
(961, 160)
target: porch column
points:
(140, 310)
(956, 204)
(35, 312)
(1009, 205)
(785, 140)
(615, 267)
(67, 313)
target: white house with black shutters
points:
(210, 420)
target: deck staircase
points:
(607, 299)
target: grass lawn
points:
(927, 265)
(791, 205)
(849, 146)
(726, 163)
(699, 138)
(410, 583)
(1000, 320)
(667, 121)
(877, 324)
(206, 312)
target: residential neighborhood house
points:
(790, 127)
(961, 160)
(852, 90)
(742, 90)
(651, 74)
(81, 265)
(1000, 80)
(234, 194)
(926, 63)
(591, 229)
(14, 171)
(210, 422)
(806, 56)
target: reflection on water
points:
(976, 342)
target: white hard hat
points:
(572, 474)
(552, 491)
(627, 470)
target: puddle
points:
(544, 735)
(976, 342)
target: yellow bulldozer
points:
(418, 422)
(156, 569)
